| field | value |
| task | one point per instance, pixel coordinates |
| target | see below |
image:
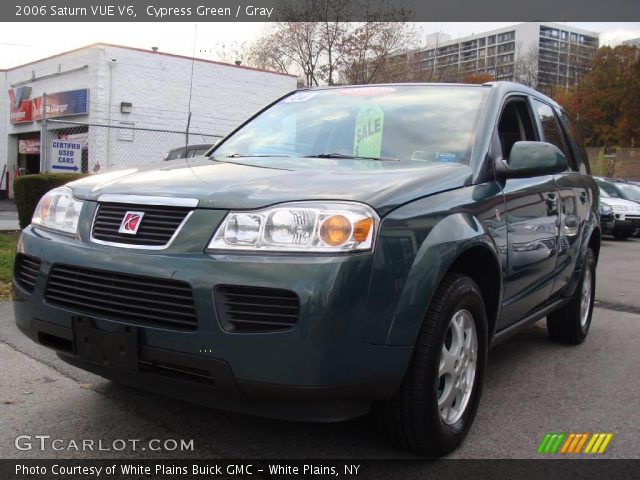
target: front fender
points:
(437, 241)
(447, 241)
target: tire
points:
(413, 419)
(570, 324)
(621, 235)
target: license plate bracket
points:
(117, 348)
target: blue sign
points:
(63, 104)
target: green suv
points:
(345, 251)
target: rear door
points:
(531, 206)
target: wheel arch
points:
(591, 238)
(458, 243)
(480, 264)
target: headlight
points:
(58, 210)
(604, 208)
(619, 208)
(299, 227)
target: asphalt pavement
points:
(533, 386)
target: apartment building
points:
(538, 54)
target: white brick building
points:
(130, 87)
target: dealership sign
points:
(62, 104)
(29, 147)
(81, 138)
(20, 107)
(66, 156)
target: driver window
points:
(515, 125)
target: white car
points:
(626, 214)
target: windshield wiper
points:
(240, 155)
(351, 157)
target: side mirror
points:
(531, 159)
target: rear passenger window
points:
(575, 142)
(552, 131)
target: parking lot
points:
(533, 386)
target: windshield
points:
(608, 190)
(176, 154)
(397, 125)
(630, 191)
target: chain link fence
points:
(103, 148)
(109, 147)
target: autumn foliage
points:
(479, 77)
(606, 102)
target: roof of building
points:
(150, 52)
(444, 42)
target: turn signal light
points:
(361, 229)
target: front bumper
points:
(626, 223)
(607, 221)
(323, 369)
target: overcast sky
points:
(24, 42)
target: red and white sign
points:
(81, 138)
(29, 147)
(20, 107)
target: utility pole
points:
(193, 61)
(44, 138)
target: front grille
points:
(255, 309)
(26, 271)
(157, 226)
(122, 297)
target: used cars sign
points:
(65, 156)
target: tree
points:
(525, 68)
(266, 53)
(315, 43)
(628, 125)
(478, 77)
(297, 45)
(333, 34)
(605, 104)
(371, 52)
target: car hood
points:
(620, 202)
(254, 184)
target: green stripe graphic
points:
(555, 447)
(543, 443)
(550, 442)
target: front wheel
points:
(439, 396)
(570, 324)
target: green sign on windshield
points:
(368, 134)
